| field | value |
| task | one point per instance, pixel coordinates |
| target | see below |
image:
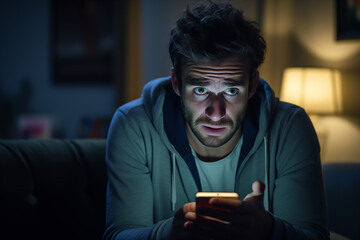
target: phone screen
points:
(202, 198)
(202, 201)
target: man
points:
(214, 125)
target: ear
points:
(253, 84)
(175, 82)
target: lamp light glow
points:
(317, 90)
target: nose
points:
(216, 108)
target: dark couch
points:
(52, 189)
(55, 189)
(342, 185)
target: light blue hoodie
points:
(152, 172)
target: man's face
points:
(214, 99)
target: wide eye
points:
(231, 91)
(200, 91)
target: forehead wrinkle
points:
(218, 75)
(218, 69)
(217, 72)
(230, 70)
(230, 77)
(221, 71)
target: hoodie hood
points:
(260, 112)
(153, 96)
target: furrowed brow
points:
(197, 82)
(232, 83)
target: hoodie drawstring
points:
(173, 183)
(266, 180)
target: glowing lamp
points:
(317, 90)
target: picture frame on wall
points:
(347, 19)
(83, 42)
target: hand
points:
(245, 219)
(183, 221)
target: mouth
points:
(213, 130)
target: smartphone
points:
(202, 200)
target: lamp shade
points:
(317, 90)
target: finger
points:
(190, 216)
(188, 225)
(224, 208)
(238, 218)
(221, 214)
(189, 207)
(180, 220)
(225, 203)
(258, 187)
(258, 190)
(235, 206)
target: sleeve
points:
(299, 205)
(129, 200)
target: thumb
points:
(257, 191)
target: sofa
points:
(55, 189)
(52, 189)
(342, 187)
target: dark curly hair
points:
(215, 31)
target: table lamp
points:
(318, 91)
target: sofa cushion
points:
(52, 189)
(342, 184)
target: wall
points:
(25, 54)
(302, 34)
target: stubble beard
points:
(209, 141)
